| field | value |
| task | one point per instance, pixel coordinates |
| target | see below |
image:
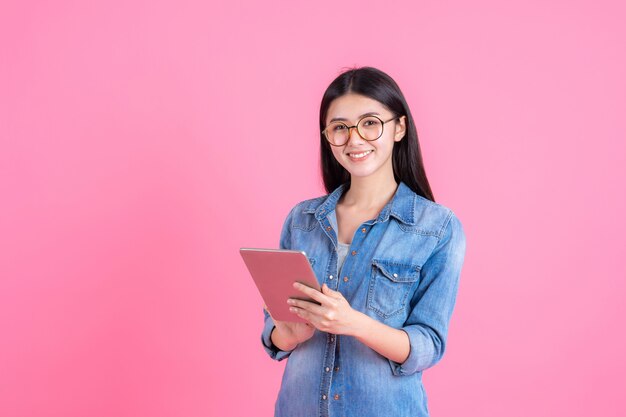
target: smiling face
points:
(359, 157)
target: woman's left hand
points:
(333, 315)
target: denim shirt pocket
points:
(390, 286)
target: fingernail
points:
(289, 301)
(292, 309)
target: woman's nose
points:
(354, 133)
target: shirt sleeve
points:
(273, 351)
(434, 300)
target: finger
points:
(306, 305)
(314, 294)
(321, 323)
(306, 315)
(331, 293)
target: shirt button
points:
(364, 230)
(336, 396)
(327, 369)
(395, 275)
(337, 369)
(323, 396)
(345, 279)
(330, 277)
(353, 252)
(332, 338)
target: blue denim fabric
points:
(403, 269)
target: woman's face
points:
(359, 157)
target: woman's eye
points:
(371, 122)
(338, 127)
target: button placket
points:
(336, 390)
(326, 391)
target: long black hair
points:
(407, 156)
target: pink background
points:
(144, 142)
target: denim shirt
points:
(402, 269)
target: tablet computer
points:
(274, 271)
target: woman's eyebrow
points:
(343, 119)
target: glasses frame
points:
(382, 130)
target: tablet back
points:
(274, 271)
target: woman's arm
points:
(287, 335)
(390, 342)
(278, 337)
(282, 341)
(335, 315)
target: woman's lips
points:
(360, 156)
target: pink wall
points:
(144, 142)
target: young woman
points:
(387, 256)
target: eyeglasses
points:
(369, 128)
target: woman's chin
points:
(359, 173)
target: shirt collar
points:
(401, 206)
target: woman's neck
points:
(367, 193)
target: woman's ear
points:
(400, 129)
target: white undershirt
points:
(342, 252)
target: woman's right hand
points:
(287, 334)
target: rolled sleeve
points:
(266, 339)
(434, 300)
(273, 351)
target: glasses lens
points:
(337, 133)
(370, 127)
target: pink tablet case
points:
(274, 271)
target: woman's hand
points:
(287, 335)
(335, 315)
(332, 315)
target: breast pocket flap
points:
(397, 272)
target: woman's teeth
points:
(360, 155)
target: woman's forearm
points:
(333, 314)
(281, 340)
(392, 343)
